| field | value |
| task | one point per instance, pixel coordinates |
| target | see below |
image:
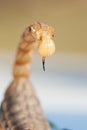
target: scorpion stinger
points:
(43, 63)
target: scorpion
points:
(21, 109)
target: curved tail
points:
(34, 34)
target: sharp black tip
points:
(43, 62)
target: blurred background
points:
(62, 89)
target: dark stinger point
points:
(43, 63)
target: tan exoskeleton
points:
(21, 108)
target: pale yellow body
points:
(21, 107)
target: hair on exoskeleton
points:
(21, 107)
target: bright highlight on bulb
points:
(46, 48)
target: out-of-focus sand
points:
(68, 17)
